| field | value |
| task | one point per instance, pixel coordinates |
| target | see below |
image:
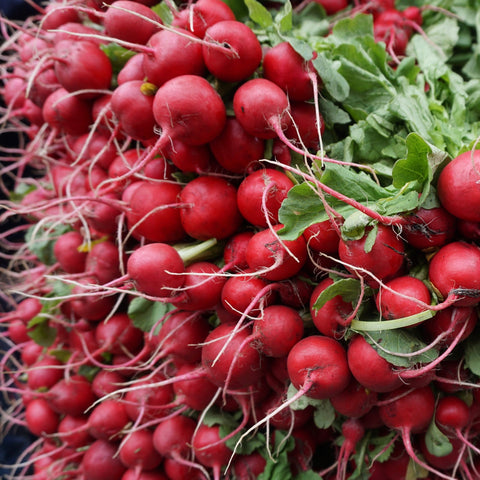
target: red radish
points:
(322, 237)
(55, 16)
(355, 401)
(447, 323)
(172, 53)
(180, 336)
(369, 368)
(427, 228)
(202, 289)
(40, 418)
(100, 462)
(133, 474)
(137, 451)
(401, 297)
(187, 158)
(459, 180)
(45, 373)
(210, 208)
(227, 366)
(30, 353)
(66, 112)
(260, 196)
(240, 293)
(82, 65)
(410, 411)
(383, 260)
(172, 437)
(277, 330)
(106, 382)
(317, 366)
(272, 117)
(188, 108)
(452, 272)
(286, 68)
(332, 6)
(334, 316)
(71, 396)
(73, 431)
(307, 126)
(203, 14)
(215, 457)
(245, 157)
(154, 212)
(103, 261)
(107, 420)
(249, 466)
(235, 250)
(125, 20)
(132, 70)
(152, 268)
(132, 104)
(241, 55)
(273, 258)
(452, 413)
(352, 431)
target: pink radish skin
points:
(245, 51)
(318, 365)
(172, 54)
(41, 419)
(150, 268)
(234, 369)
(243, 159)
(154, 212)
(107, 420)
(82, 65)
(383, 260)
(286, 68)
(262, 123)
(100, 462)
(210, 208)
(263, 188)
(188, 108)
(459, 180)
(452, 272)
(127, 26)
(267, 255)
(392, 305)
(369, 368)
(137, 451)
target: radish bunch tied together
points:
(242, 240)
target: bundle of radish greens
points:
(241, 239)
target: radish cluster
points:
(161, 325)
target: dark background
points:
(17, 439)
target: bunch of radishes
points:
(162, 326)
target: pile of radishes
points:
(164, 321)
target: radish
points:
(132, 104)
(246, 156)
(334, 316)
(137, 451)
(154, 212)
(214, 457)
(459, 180)
(203, 14)
(210, 208)
(383, 260)
(100, 462)
(172, 53)
(126, 20)
(410, 411)
(402, 297)
(82, 65)
(318, 368)
(369, 368)
(266, 122)
(225, 365)
(354, 401)
(41, 418)
(188, 108)
(107, 420)
(286, 68)
(242, 54)
(428, 228)
(71, 396)
(260, 196)
(452, 273)
(152, 268)
(352, 431)
(273, 258)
